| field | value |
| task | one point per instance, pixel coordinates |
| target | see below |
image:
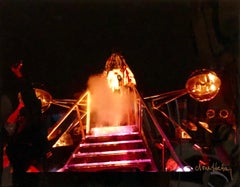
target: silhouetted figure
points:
(26, 142)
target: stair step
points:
(111, 146)
(109, 156)
(116, 137)
(142, 164)
(113, 130)
(110, 143)
(105, 153)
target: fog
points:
(108, 108)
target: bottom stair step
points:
(141, 164)
(109, 156)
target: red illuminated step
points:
(115, 137)
(111, 146)
(109, 155)
(140, 164)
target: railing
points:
(165, 140)
(80, 119)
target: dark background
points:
(62, 43)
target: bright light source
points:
(203, 85)
(184, 169)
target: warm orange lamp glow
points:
(47, 100)
(203, 85)
(44, 97)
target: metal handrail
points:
(161, 132)
(80, 115)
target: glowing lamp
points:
(47, 99)
(203, 85)
(44, 97)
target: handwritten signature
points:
(214, 167)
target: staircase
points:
(111, 149)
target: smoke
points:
(108, 108)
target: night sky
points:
(63, 43)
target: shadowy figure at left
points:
(26, 142)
